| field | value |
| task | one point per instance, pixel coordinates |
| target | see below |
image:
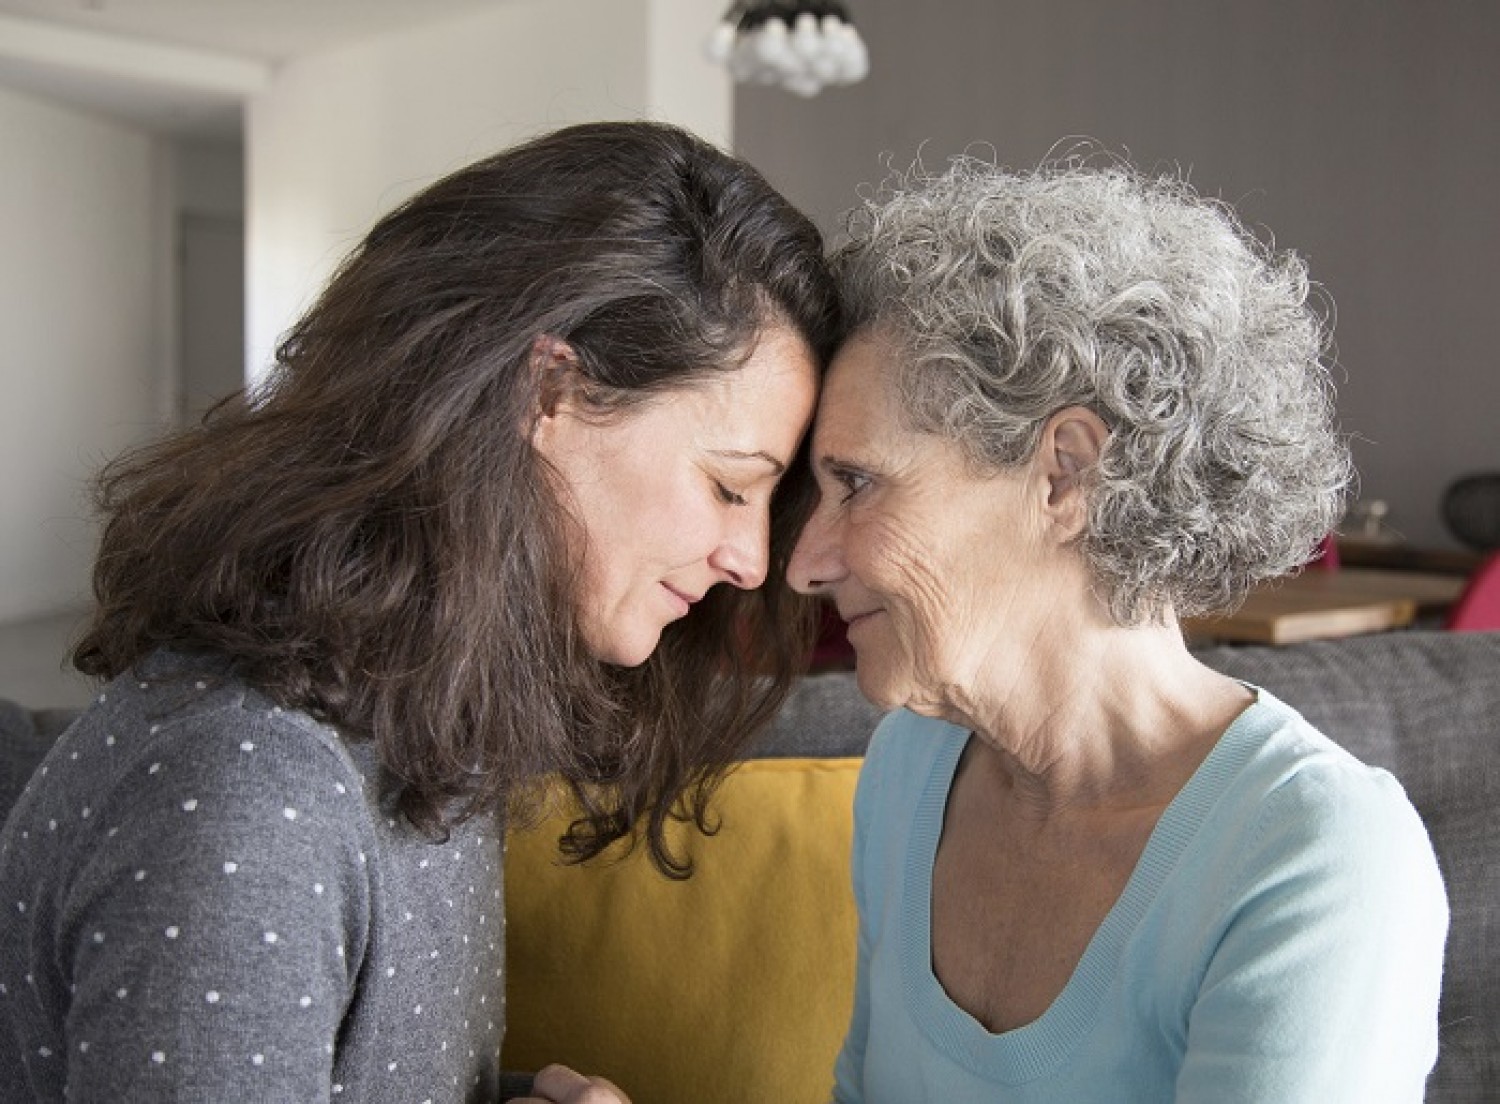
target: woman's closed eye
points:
(728, 497)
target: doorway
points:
(210, 311)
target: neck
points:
(1103, 719)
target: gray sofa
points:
(1424, 705)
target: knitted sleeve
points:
(212, 934)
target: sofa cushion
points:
(733, 986)
(824, 716)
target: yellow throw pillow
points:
(734, 986)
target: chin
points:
(628, 651)
(876, 684)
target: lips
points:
(683, 599)
(852, 619)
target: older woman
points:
(1077, 406)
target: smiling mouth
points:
(686, 600)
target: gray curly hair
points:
(1011, 296)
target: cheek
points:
(649, 515)
(894, 560)
(902, 570)
(676, 527)
(686, 529)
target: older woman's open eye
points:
(852, 482)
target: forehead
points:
(764, 404)
(858, 400)
(779, 363)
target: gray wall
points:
(1364, 133)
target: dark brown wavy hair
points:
(371, 537)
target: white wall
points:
(1362, 135)
(683, 86)
(341, 137)
(81, 210)
(89, 211)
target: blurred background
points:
(178, 177)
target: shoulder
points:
(1304, 808)
(170, 766)
(191, 817)
(1309, 782)
(212, 731)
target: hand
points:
(560, 1085)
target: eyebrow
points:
(834, 464)
(736, 454)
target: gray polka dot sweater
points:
(203, 900)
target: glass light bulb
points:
(803, 84)
(720, 43)
(743, 62)
(853, 61)
(771, 44)
(856, 58)
(806, 37)
(828, 65)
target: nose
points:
(743, 556)
(817, 560)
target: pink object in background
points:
(1478, 607)
(1327, 556)
(833, 650)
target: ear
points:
(1072, 441)
(554, 368)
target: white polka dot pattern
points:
(230, 881)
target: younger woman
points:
(472, 532)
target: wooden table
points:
(1320, 604)
(1355, 552)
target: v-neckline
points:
(1028, 1051)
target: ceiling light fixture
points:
(801, 46)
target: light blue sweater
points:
(1280, 940)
